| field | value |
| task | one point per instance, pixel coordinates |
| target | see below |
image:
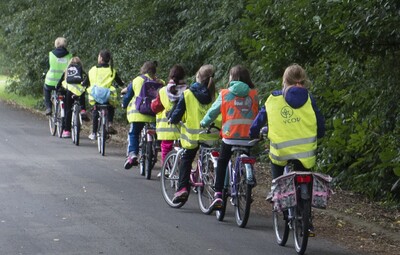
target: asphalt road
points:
(57, 198)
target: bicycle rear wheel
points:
(76, 126)
(59, 121)
(207, 178)
(301, 225)
(149, 159)
(243, 197)
(53, 118)
(280, 224)
(170, 178)
(102, 135)
(142, 154)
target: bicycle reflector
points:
(215, 154)
(303, 178)
(248, 160)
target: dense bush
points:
(350, 49)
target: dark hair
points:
(240, 73)
(107, 58)
(149, 67)
(177, 73)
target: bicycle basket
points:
(321, 190)
(284, 192)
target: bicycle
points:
(201, 178)
(102, 127)
(294, 193)
(58, 113)
(76, 120)
(239, 182)
(147, 150)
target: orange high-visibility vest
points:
(238, 114)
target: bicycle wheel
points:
(280, 224)
(220, 214)
(142, 154)
(149, 159)
(207, 178)
(52, 118)
(243, 197)
(76, 126)
(301, 225)
(59, 120)
(170, 178)
(102, 136)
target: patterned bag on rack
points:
(284, 192)
(321, 190)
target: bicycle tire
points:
(149, 159)
(280, 223)
(76, 125)
(243, 197)
(301, 225)
(59, 121)
(207, 178)
(220, 214)
(52, 118)
(142, 154)
(102, 134)
(169, 184)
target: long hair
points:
(108, 59)
(177, 73)
(295, 75)
(73, 61)
(205, 76)
(149, 67)
(240, 73)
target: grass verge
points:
(23, 101)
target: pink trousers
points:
(166, 146)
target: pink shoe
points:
(180, 196)
(66, 134)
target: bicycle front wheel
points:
(207, 178)
(170, 178)
(280, 224)
(149, 159)
(142, 154)
(52, 119)
(243, 197)
(301, 225)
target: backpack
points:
(148, 92)
(74, 74)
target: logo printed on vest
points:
(287, 113)
(243, 104)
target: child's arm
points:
(258, 123)
(212, 113)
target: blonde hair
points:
(205, 76)
(60, 42)
(295, 75)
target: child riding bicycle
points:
(238, 104)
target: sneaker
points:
(180, 196)
(48, 112)
(92, 136)
(130, 161)
(269, 197)
(217, 202)
(159, 175)
(84, 115)
(112, 130)
(66, 134)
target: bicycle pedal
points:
(311, 234)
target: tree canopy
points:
(350, 50)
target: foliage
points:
(349, 48)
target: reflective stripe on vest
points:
(102, 77)
(292, 132)
(190, 131)
(77, 89)
(164, 130)
(238, 114)
(57, 68)
(132, 114)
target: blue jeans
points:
(133, 136)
